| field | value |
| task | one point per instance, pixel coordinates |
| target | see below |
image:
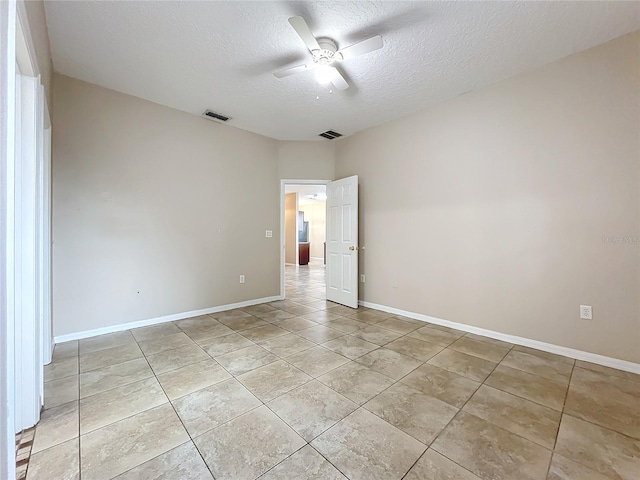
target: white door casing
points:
(342, 241)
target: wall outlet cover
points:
(241, 278)
(586, 312)
(268, 234)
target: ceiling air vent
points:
(330, 134)
(215, 116)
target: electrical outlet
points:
(362, 278)
(395, 284)
(586, 312)
(268, 234)
(241, 278)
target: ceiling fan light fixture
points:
(324, 74)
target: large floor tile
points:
(260, 308)
(264, 333)
(468, 366)
(57, 392)
(205, 330)
(480, 349)
(415, 348)
(320, 334)
(321, 316)
(227, 344)
(377, 335)
(441, 384)
(181, 463)
(305, 464)
(212, 406)
(57, 425)
(274, 316)
(166, 342)
(180, 357)
(489, 340)
(434, 335)
(118, 403)
(101, 342)
(243, 323)
(229, 315)
(564, 469)
(61, 462)
(154, 331)
(109, 356)
(296, 323)
(350, 346)
(273, 380)
(345, 325)
(365, 447)
(317, 361)
(356, 382)
(611, 402)
(540, 353)
(614, 372)
(490, 451)
(371, 316)
(248, 446)
(544, 391)
(192, 378)
(400, 326)
(116, 448)
(610, 453)
(65, 350)
(61, 368)
(421, 416)
(522, 417)
(389, 363)
(246, 359)
(287, 345)
(300, 309)
(106, 378)
(545, 367)
(433, 466)
(312, 408)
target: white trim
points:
(283, 183)
(7, 241)
(526, 342)
(158, 320)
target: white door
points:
(342, 241)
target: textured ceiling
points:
(221, 55)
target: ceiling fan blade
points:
(303, 30)
(338, 80)
(360, 48)
(290, 71)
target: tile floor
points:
(304, 388)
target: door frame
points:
(283, 184)
(25, 232)
(8, 16)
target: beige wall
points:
(291, 228)
(151, 214)
(491, 209)
(306, 160)
(315, 214)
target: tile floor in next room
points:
(304, 388)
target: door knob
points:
(352, 248)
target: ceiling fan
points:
(325, 54)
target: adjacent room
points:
(294, 240)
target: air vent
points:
(215, 116)
(330, 134)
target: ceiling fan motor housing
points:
(327, 53)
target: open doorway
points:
(303, 237)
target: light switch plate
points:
(268, 234)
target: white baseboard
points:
(526, 342)
(154, 321)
